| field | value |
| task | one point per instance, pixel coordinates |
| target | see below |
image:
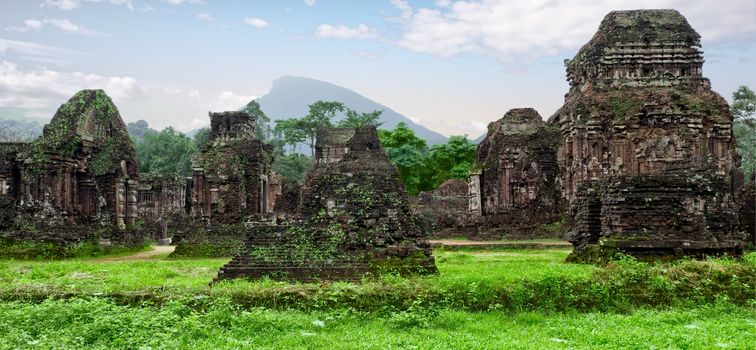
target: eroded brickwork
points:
(355, 218)
(515, 191)
(443, 211)
(641, 116)
(231, 181)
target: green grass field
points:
(99, 324)
(529, 299)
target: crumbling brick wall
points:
(355, 218)
(442, 212)
(82, 169)
(516, 180)
(81, 173)
(231, 180)
(640, 110)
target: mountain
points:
(18, 130)
(290, 96)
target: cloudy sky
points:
(453, 66)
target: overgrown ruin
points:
(231, 188)
(647, 158)
(354, 219)
(231, 175)
(77, 182)
(514, 190)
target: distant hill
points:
(17, 130)
(290, 97)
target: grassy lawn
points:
(95, 275)
(100, 324)
(518, 299)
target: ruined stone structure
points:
(163, 196)
(514, 190)
(355, 219)
(642, 124)
(10, 183)
(231, 180)
(443, 211)
(82, 169)
(76, 182)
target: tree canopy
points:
(166, 152)
(423, 169)
(744, 127)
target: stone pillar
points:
(474, 192)
(132, 186)
(120, 204)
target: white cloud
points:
(181, 2)
(62, 24)
(206, 17)
(229, 101)
(37, 52)
(63, 5)
(370, 55)
(310, 2)
(67, 5)
(33, 24)
(341, 31)
(528, 30)
(44, 89)
(256, 22)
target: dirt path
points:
(454, 242)
(157, 250)
(454, 245)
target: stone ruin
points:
(163, 201)
(513, 191)
(232, 187)
(77, 182)
(354, 219)
(443, 212)
(647, 158)
(231, 176)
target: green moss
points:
(65, 134)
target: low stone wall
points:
(658, 216)
(67, 242)
(215, 241)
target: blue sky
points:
(453, 66)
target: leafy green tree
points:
(138, 129)
(263, 131)
(320, 115)
(407, 152)
(451, 160)
(166, 152)
(744, 127)
(293, 166)
(201, 138)
(355, 119)
(291, 132)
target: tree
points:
(263, 131)
(293, 166)
(138, 129)
(291, 132)
(166, 152)
(407, 152)
(451, 160)
(201, 138)
(744, 128)
(320, 115)
(355, 119)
